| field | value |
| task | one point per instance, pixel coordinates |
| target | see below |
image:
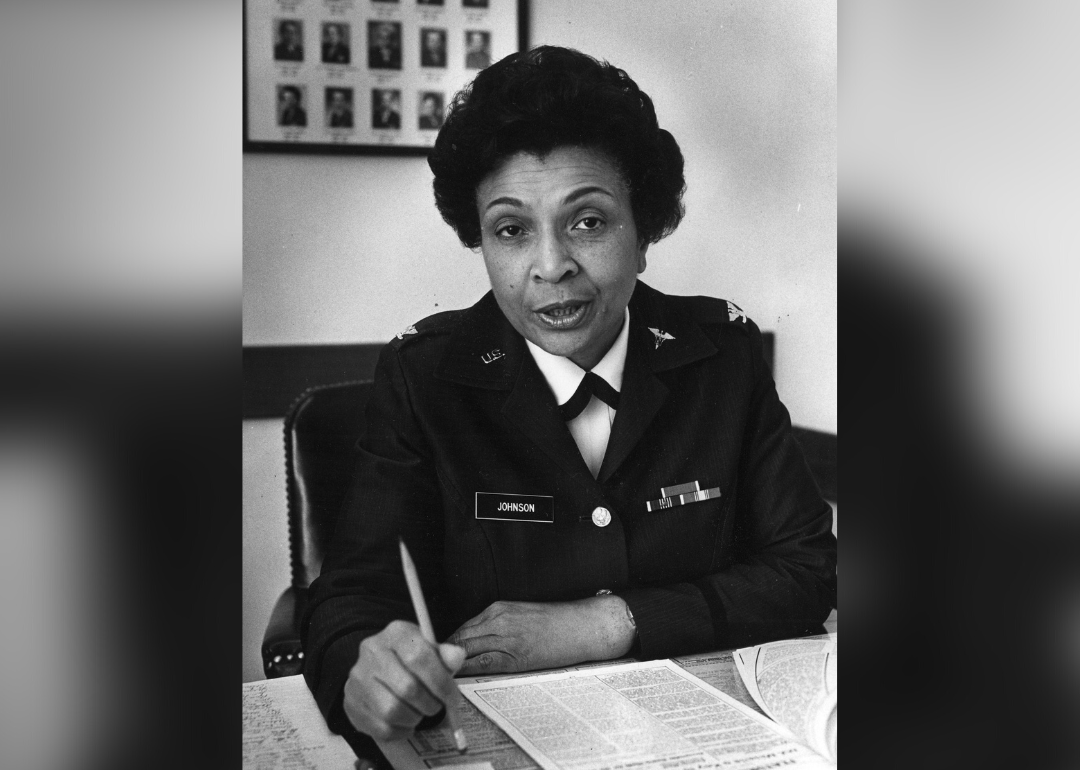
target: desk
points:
(283, 727)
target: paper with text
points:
(487, 743)
(637, 715)
(719, 670)
(794, 682)
(284, 729)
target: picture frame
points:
(365, 76)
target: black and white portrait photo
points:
(339, 107)
(335, 44)
(385, 108)
(553, 296)
(289, 40)
(430, 110)
(384, 45)
(432, 47)
(290, 106)
(477, 49)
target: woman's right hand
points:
(398, 679)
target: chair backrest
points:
(321, 431)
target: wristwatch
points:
(629, 614)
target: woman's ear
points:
(641, 259)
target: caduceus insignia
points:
(734, 311)
(410, 330)
(660, 336)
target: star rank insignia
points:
(734, 311)
(660, 336)
(410, 330)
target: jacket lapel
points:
(641, 397)
(485, 351)
(531, 409)
(660, 339)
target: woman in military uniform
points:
(582, 467)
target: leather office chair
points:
(321, 431)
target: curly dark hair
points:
(549, 97)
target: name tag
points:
(501, 507)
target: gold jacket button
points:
(601, 516)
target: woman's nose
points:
(554, 260)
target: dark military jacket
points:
(466, 457)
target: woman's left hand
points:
(510, 637)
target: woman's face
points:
(561, 249)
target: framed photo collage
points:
(364, 75)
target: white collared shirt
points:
(592, 428)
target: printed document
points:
(283, 728)
(488, 744)
(719, 670)
(637, 715)
(794, 682)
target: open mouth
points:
(563, 315)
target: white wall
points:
(341, 249)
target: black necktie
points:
(591, 385)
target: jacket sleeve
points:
(781, 581)
(361, 587)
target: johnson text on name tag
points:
(503, 507)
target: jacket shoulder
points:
(430, 328)
(710, 311)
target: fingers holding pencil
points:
(398, 679)
(412, 580)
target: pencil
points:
(412, 580)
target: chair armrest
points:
(282, 652)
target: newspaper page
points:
(638, 715)
(489, 746)
(794, 682)
(719, 670)
(284, 729)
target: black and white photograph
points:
(384, 45)
(336, 48)
(290, 106)
(386, 108)
(551, 408)
(430, 110)
(477, 49)
(432, 47)
(364, 45)
(339, 107)
(289, 40)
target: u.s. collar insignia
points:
(660, 335)
(410, 330)
(734, 311)
(494, 355)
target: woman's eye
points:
(589, 223)
(509, 231)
